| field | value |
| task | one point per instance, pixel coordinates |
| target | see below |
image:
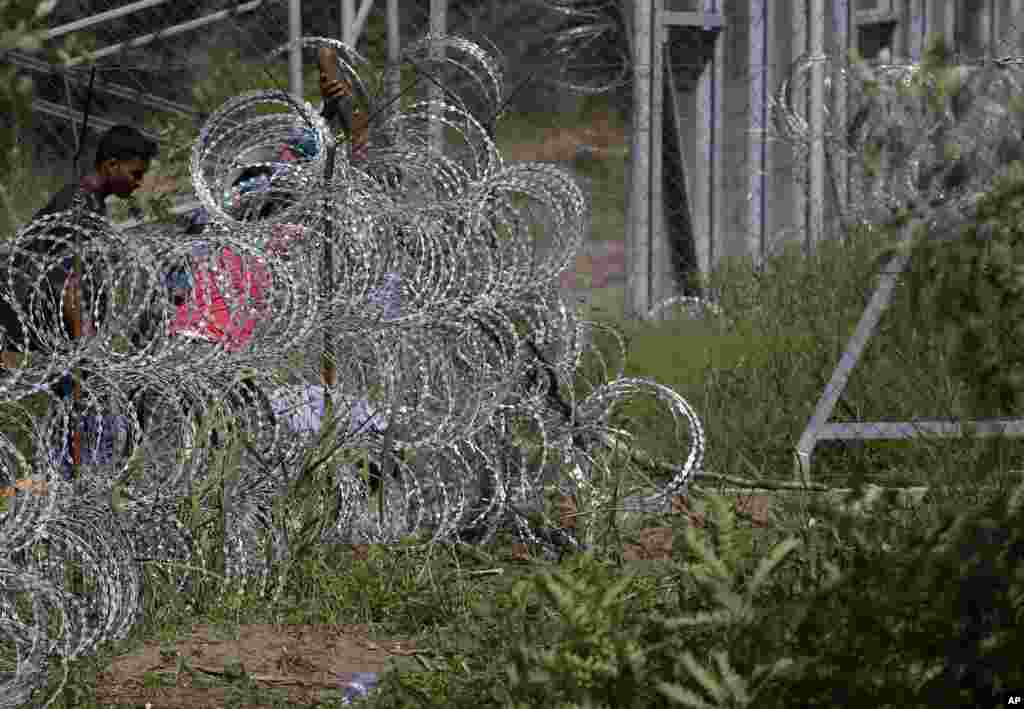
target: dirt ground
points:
(209, 669)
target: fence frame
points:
(818, 427)
(647, 242)
(806, 210)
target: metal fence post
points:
(816, 176)
(295, 55)
(394, 74)
(758, 62)
(638, 230)
(438, 28)
(348, 22)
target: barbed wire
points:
(459, 359)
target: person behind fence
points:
(210, 291)
(203, 312)
(123, 157)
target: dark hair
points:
(125, 143)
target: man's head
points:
(122, 159)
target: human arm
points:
(339, 104)
(81, 324)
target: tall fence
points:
(711, 175)
(716, 174)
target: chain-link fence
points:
(164, 65)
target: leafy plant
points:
(594, 658)
(976, 286)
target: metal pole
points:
(76, 302)
(58, 111)
(758, 124)
(854, 349)
(295, 54)
(986, 27)
(918, 28)
(799, 48)
(100, 18)
(816, 229)
(1016, 11)
(23, 61)
(360, 23)
(638, 230)
(949, 26)
(839, 165)
(348, 22)
(394, 75)
(438, 28)
(658, 256)
(703, 169)
(168, 32)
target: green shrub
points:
(976, 286)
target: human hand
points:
(334, 88)
(330, 86)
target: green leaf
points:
(683, 696)
(733, 681)
(703, 677)
(775, 557)
(735, 603)
(613, 592)
(701, 618)
(706, 554)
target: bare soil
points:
(209, 669)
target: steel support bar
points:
(819, 429)
(758, 137)
(658, 254)
(1015, 21)
(638, 230)
(889, 430)
(295, 53)
(854, 349)
(949, 24)
(74, 76)
(918, 30)
(438, 28)
(100, 18)
(348, 22)
(69, 114)
(168, 32)
(838, 162)
(816, 174)
(393, 78)
(360, 24)
(704, 20)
